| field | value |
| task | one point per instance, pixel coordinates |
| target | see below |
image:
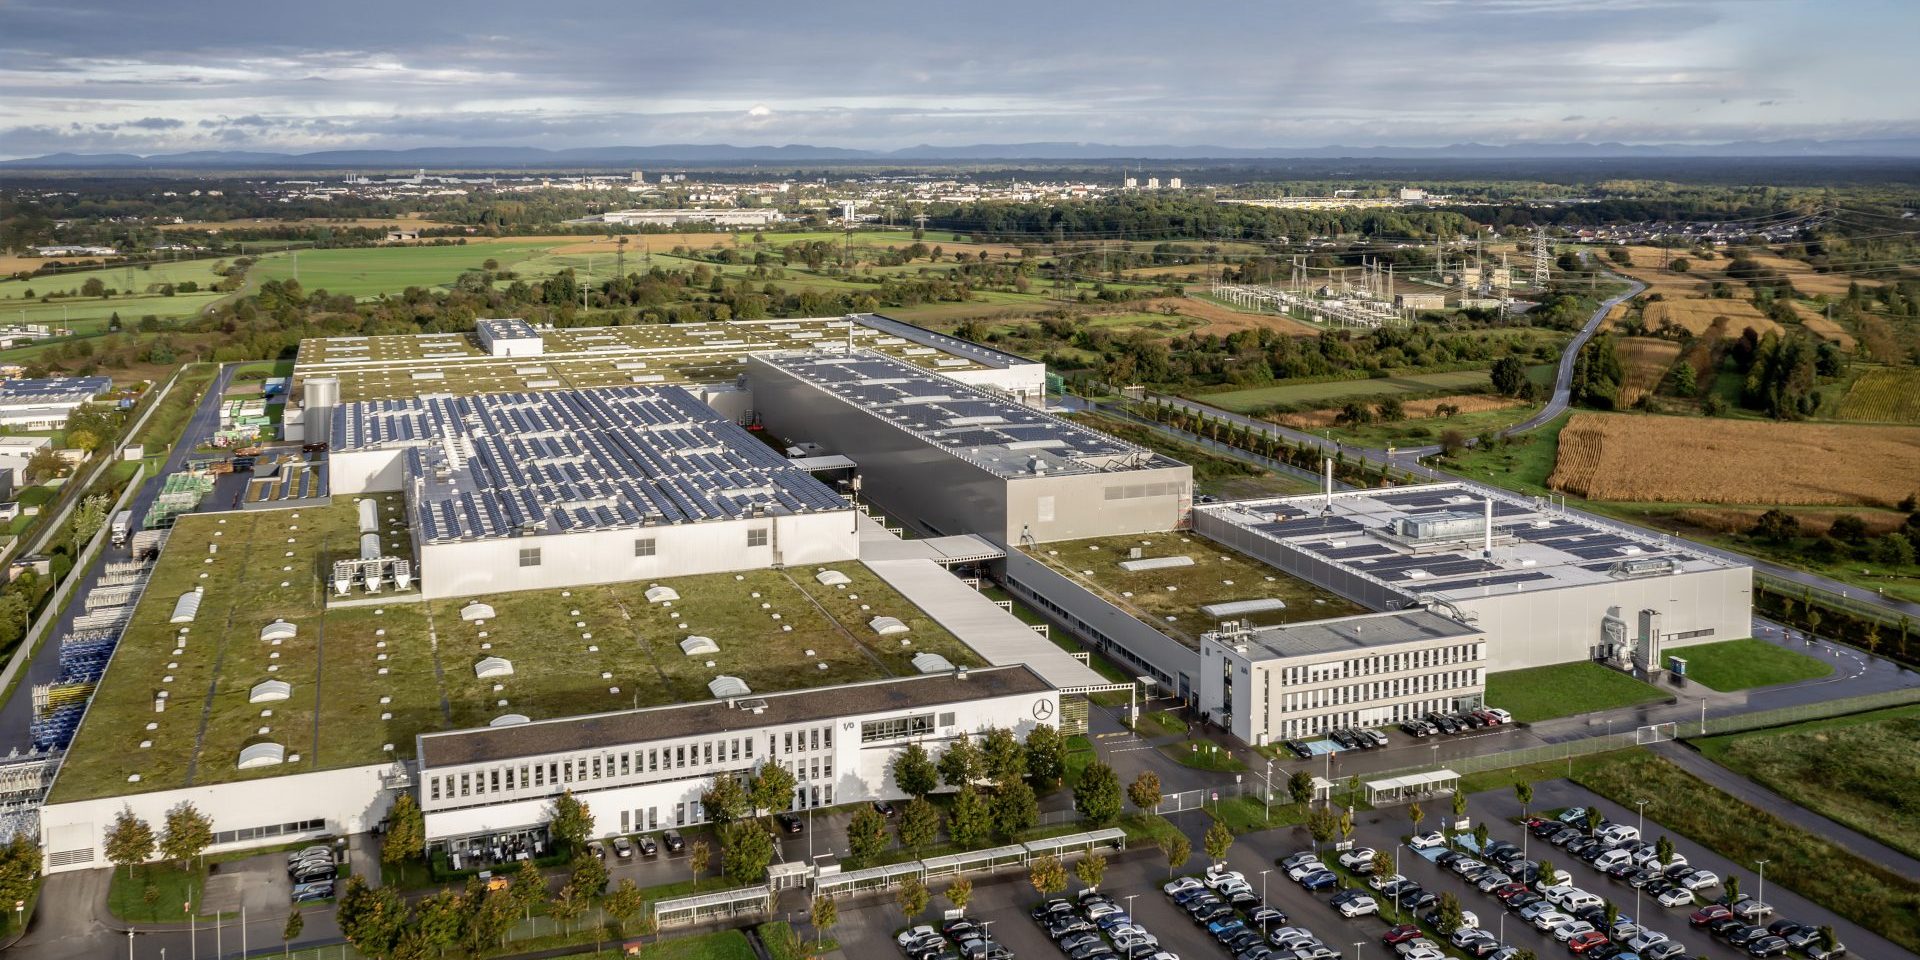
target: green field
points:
(1856, 770)
(138, 295)
(1749, 662)
(1335, 392)
(366, 272)
(1563, 690)
(1521, 462)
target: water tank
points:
(322, 396)
(369, 546)
(369, 516)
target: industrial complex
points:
(622, 561)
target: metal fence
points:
(1810, 711)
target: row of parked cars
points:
(623, 849)
(1223, 902)
(1460, 722)
(1094, 927)
(312, 871)
(956, 939)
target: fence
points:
(1762, 719)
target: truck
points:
(122, 527)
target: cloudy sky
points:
(144, 77)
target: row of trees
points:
(184, 835)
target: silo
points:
(321, 399)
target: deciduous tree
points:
(406, 836)
(1046, 755)
(960, 893)
(569, 822)
(919, 824)
(914, 771)
(1144, 791)
(960, 763)
(1217, 841)
(188, 831)
(969, 819)
(746, 849)
(1097, 795)
(129, 840)
(1091, 869)
(1015, 809)
(1047, 875)
(1176, 849)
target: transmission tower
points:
(1540, 262)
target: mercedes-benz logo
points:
(1042, 709)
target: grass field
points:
(1747, 663)
(138, 295)
(1335, 392)
(366, 272)
(1562, 690)
(1884, 395)
(1632, 458)
(1870, 894)
(1520, 463)
(1855, 770)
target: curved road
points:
(1408, 459)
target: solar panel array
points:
(496, 465)
(997, 434)
(43, 390)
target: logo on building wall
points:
(1043, 709)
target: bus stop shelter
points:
(1413, 786)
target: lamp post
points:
(1642, 828)
(1129, 898)
(129, 943)
(1763, 881)
(1269, 810)
(1263, 885)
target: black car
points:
(884, 809)
(1340, 737)
(1051, 909)
(1414, 728)
(1725, 925)
(1605, 951)
(1444, 722)
(1419, 902)
(1448, 858)
(1767, 946)
(1744, 934)
(1596, 915)
(788, 822)
(1783, 927)
(1210, 913)
(1521, 901)
(673, 841)
(648, 848)
(1243, 899)
(1481, 947)
(1300, 749)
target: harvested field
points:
(1736, 521)
(1817, 323)
(1222, 320)
(1806, 280)
(1686, 460)
(1886, 395)
(1698, 315)
(1693, 283)
(1645, 362)
(1416, 410)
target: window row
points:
(1385, 663)
(1291, 701)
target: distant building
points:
(1174, 183)
(1412, 194)
(1153, 183)
(75, 250)
(637, 177)
(1420, 301)
(44, 403)
(1131, 183)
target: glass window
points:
(644, 547)
(757, 537)
(529, 556)
(897, 728)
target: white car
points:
(1358, 907)
(1230, 888)
(1676, 897)
(1701, 880)
(1556, 893)
(1181, 886)
(1431, 838)
(1550, 919)
(1128, 939)
(1311, 866)
(1464, 864)
(1386, 882)
(1644, 939)
(1424, 953)
(1570, 929)
(1357, 858)
(1499, 714)
(913, 935)
(1216, 880)
(1407, 948)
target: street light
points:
(1269, 778)
(1642, 828)
(1263, 885)
(1763, 881)
(1129, 898)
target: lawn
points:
(1563, 690)
(721, 945)
(366, 272)
(1857, 770)
(1336, 392)
(1203, 755)
(1867, 893)
(1520, 463)
(1215, 473)
(126, 896)
(1746, 663)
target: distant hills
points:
(616, 157)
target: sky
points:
(135, 76)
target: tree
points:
(912, 897)
(1459, 804)
(1523, 792)
(1451, 916)
(1015, 809)
(1091, 870)
(1097, 795)
(725, 799)
(291, 932)
(960, 893)
(438, 919)
(823, 914)
(969, 820)
(699, 858)
(1047, 875)
(87, 520)
(1046, 755)
(1776, 526)
(914, 771)
(528, 888)
(1479, 836)
(1680, 265)
(1217, 841)
(1733, 888)
(188, 831)
(489, 916)
(19, 867)
(569, 822)
(129, 840)
(772, 787)
(919, 824)
(567, 905)
(745, 851)
(1300, 787)
(1416, 814)
(1546, 872)
(1321, 824)
(1593, 820)
(866, 836)
(1828, 939)
(1663, 850)
(587, 872)
(1003, 758)
(370, 919)
(1508, 375)
(623, 902)
(1176, 849)
(960, 763)
(1144, 791)
(1382, 863)
(406, 836)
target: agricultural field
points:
(367, 272)
(1333, 392)
(1883, 395)
(1637, 458)
(1424, 409)
(1644, 361)
(1849, 769)
(1817, 323)
(412, 221)
(138, 295)
(1697, 316)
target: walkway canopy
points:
(720, 903)
(1412, 786)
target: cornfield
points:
(1688, 460)
(1645, 361)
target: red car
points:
(1586, 941)
(1508, 891)
(1709, 913)
(1401, 934)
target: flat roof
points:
(565, 461)
(1535, 545)
(1355, 634)
(1178, 575)
(401, 365)
(599, 731)
(1008, 438)
(52, 389)
(505, 328)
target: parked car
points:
(309, 892)
(884, 809)
(1300, 749)
(1708, 914)
(623, 848)
(1815, 951)
(1414, 728)
(1431, 838)
(1359, 858)
(1675, 897)
(648, 848)
(1568, 929)
(1324, 880)
(1353, 903)
(1400, 934)
(789, 823)
(674, 842)
(1580, 943)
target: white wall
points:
(1536, 628)
(350, 800)
(607, 556)
(365, 471)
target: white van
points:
(1580, 900)
(1611, 859)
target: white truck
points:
(122, 527)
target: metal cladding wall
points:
(1531, 629)
(1096, 621)
(1076, 506)
(1363, 590)
(471, 567)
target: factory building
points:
(45, 403)
(644, 770)
(957, 459)
(526, 491)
